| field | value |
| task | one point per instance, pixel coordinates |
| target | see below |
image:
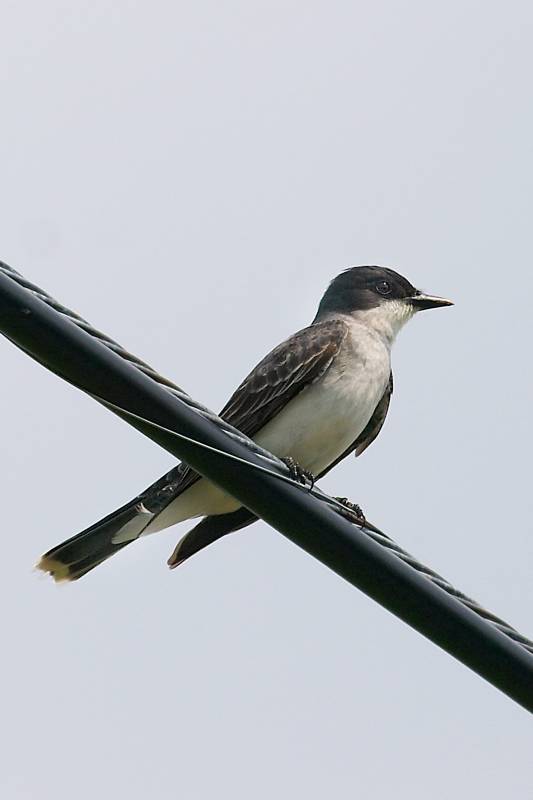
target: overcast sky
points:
(189, 177)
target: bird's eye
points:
(383, 287)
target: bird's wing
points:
(369, 433)
(277, 379)
(282, 374)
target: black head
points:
(363, 288)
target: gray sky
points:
(189, 177)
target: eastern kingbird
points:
(317, 397)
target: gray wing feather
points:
(282, 374)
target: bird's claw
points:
(355, 514)
(298, 473)
(355, 511)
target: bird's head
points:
(377, 295)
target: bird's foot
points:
(298, 473)
(356, 513)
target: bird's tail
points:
(77, 556)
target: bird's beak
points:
(422, 301)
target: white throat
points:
(386, 320)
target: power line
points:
(93, 362)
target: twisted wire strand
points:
(374, 533)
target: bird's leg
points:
(297, 472)
(356, 512)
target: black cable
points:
(45, 330)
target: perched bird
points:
(317, 397)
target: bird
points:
(319, 396)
